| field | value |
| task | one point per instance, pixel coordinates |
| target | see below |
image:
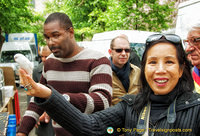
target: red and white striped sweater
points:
(86, 78)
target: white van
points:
(31, 38)
(101, 41)
(9, 49)
(188, 14)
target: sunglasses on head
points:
(169, 37)
(120, 50)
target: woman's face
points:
(162, 70)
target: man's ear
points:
(110, 52)
(71, 31)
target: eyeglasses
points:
(169, 37)
(192, 41)
(120, 50)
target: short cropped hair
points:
(112, 41)
(63, 18)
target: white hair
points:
(194, 26)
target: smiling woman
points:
(162, 70)
(165, 57)
(164, 106)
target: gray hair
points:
(195, 26)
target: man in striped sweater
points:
(83, 76)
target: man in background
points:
(193, 50)
(37, 72)
(125, 78)
(43, 128)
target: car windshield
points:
(138, 48)
(8, 56)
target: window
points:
(8, 56)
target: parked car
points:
(101, 41)
(9, 49)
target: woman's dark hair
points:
(64, 20)
(185, 83)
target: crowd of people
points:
(86, 93)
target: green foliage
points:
(37, 27)
(93, 16)
(88, 16)
(17, 16)
(143, 15)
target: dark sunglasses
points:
(120, 50)
(169, 37)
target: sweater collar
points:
(164, 99)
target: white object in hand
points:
(24, 63)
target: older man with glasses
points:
(193, 50)
(125, 78)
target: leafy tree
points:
(147, 15)
(78, 12)
(17, 16)
(94, 16)
(88, 16)
(37, 27)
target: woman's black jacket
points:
(122, 118)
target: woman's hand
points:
(32, 88)
(44, 118)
